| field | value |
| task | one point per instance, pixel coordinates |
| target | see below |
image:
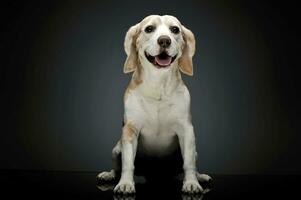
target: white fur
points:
(159, 109)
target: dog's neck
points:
(157, 83)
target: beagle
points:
(157, 118)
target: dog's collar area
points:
(161, 60)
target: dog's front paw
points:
(191, 187)
(106, 176)
(125, 187)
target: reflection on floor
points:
(82, 185)
(165, 188)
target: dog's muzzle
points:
(161, 60)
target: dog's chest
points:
(159, 115)
(157, 130)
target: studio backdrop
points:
(62, 83)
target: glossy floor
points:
(82, 185)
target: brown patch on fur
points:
(132, 62)
(128, 132)
(179, 77)
(185, 61)
(185, 64)
(135, 81)
(130, 48)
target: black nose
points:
(164, 41)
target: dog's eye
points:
(149, 29)
(174, 29)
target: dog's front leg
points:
(187, 143)
(129, 138)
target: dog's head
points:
(160, 41)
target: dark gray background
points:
(62, 83)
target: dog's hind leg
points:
(205, 180)
(203, 177)
(116, 161)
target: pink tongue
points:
(163, 62)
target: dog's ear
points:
(185, 61)
(131, 62)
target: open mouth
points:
(161, 60)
